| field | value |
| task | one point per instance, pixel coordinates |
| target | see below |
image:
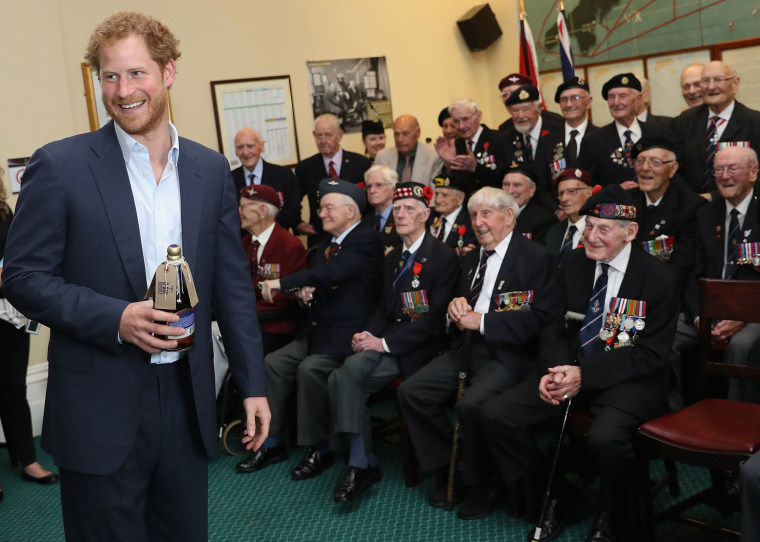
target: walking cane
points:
(464, 355)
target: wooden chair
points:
(712, 433)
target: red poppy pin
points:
(486, 145)
(427, 192)
(360, 184)
(544, 133)
(461, 230)
(417, 268)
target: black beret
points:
(443, 115)
(454, 180)
(523, 167)
(525, 93)
(372, 127)
(621, 80)
(575, 82)
(612, 203)
(660, 141)
(355, 192)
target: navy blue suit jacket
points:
(74, 262)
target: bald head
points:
(248, 147)
(690, 88)
(406, 132)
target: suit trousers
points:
(291, 369)
(424, 396)
(362, 374)
(160, 492)
(750, 486)
(14, 409)
(509, 420)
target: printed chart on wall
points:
(353, 90)
(265, 104)
(609, 30)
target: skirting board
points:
(36, 385)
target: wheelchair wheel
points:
(232, 438)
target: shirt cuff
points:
(385, 347)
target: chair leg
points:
(408, 457)
(672, 472)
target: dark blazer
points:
(662, 120)
(710, 251)
(347, 290)
(486, 170)
(690, 128)
(536, 220)
(513, 336)
(287, 251)
(281, 179)
(590, 129)
(75, 262)
(598, 149)
(632, 379)
(454, 239)
(555, 235)
(388, 236)
(414, 343)
(674, 216)
(312, 170)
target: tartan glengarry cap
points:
(355, 192)
(262, 192)
(621, 80)
(416, 191)
(612, 203)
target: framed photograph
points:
(92, 94)
(262, 103)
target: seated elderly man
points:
(406, 331)
(342, 288)
(379, 182)
(614, 361)
(574, 187)
(533, 220)
(505, 294)
(450, 222)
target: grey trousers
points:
(289, 369)
(362, 374)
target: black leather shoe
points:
(479, 502)
(355, 482)
(551, 525)
(602, 530)
(313, 464)
(51, 478)
(262, 458)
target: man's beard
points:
(144, 123)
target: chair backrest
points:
(725, 300)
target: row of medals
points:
(626, 325)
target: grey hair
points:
(389, 175)
(493, 197)
(464, 103)
(328, 117)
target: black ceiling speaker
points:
(479, 27)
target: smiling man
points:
(533, 220)
(574, 187)
(129, 423)
(575, 101)
(614, 361)
(700, 130)
(505, 293)
(691, 90)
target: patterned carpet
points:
(268, 507)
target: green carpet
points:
(267, 506)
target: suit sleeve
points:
(290, 215)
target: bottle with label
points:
(173, 290)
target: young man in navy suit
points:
(130, 423)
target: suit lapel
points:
(191, 193)
(116, 193)
(734, 125)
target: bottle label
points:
(186, 322)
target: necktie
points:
(332, 171)
(528, 148)
(711, 146)
(442, 229)
(333, 251)
(732, 248)
(477, 286)
(378, 220)
(255, 259)
(251, 179)
(471, 144)
(406, 173)
(567, 243)
(589, 333)
(402, 271)
(571, 151)
(628, 144)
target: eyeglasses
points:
(720, 170)
(571, 99)
(717, 80)
(328, 209)
(654, 162)
(572, 192)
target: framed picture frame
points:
(262, 103)
(92, 91)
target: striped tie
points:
(711, 147)
(732, 247)
(478, 284)
(567, 243)
(592, 322)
